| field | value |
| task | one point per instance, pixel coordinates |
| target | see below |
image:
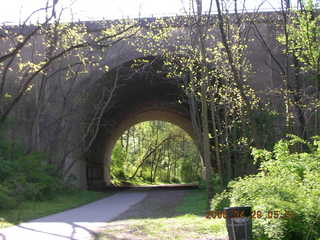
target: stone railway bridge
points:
(146, 94)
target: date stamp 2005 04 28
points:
(256, 214)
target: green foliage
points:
(6, 200)
(118, 157)
(300, 37)
(304, 36)
(189, 165)
(268, 126)
(220, 201)
(288, 182)
(25, 176)
(216, 183)
(155, 152)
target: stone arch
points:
(144, 94)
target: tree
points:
(214, 72)
(297, 31)
(42, 73)
(302, 39)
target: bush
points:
(220, 201)
(6, 201)
(216, 182)
(175, 180)
(25, 176)
(288, 182)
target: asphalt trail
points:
(80, 223)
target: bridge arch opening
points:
(143, 94)
(155, 152)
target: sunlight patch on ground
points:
(181, 227)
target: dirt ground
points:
(157, 205)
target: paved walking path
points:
(76, 224)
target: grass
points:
(188, 222)
(29, 210)
(194, 203)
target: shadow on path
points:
(80, 223)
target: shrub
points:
(220, 201)
(175, 180)
(216, 182)
(289, 182)
(6, 201)
(25, 176)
